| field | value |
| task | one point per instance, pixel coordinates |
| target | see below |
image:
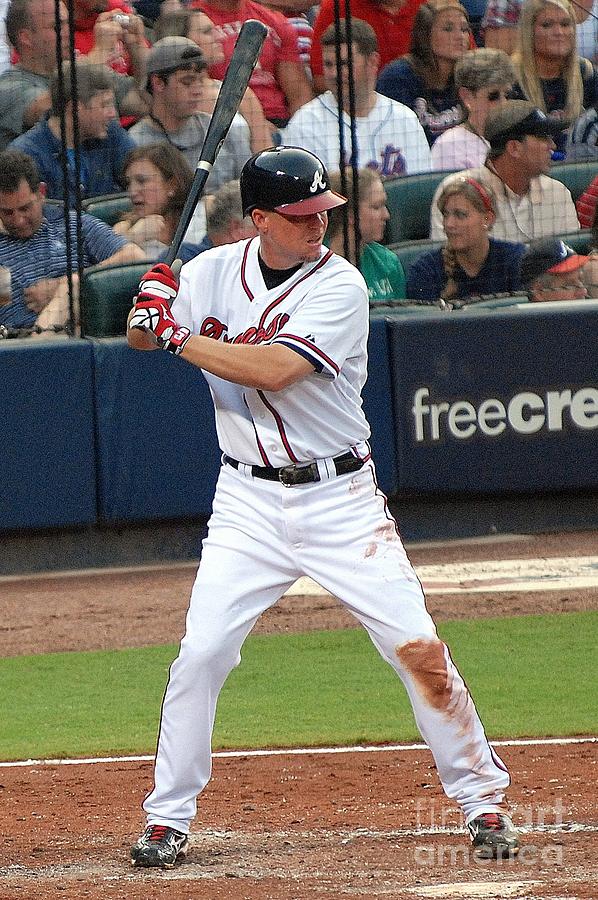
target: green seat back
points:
(409, 199)
(107, 296)
(578, 240)
(575, 176)
(109, 207)
(408, 251)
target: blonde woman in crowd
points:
(471, 262)
(198, 27)
(379, 266)
(423, 79)
(483, 79)
(550, 72)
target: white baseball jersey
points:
(390, 139)
(321, 312)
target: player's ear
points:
(259, 217)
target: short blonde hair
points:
(482, 68)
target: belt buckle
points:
(293, 475)
(286, 472)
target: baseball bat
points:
(242, 63)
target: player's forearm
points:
(264, 367)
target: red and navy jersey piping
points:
(311, 352)
(280, 425)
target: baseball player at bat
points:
(279, 324)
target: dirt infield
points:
(291, 826)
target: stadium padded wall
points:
(487, 402)
(497, 401)
(47, 443)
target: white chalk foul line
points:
(296, 751)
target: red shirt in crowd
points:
(280, 46)
(393, 29)
(84, 38)
(586, 205)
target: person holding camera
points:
(109, 32)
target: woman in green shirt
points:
(382, 270)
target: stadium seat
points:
(108, 207)
(106, 297)
(408, 251)
(406, 308)
(409, 199)
(578, 240)
(575, 176)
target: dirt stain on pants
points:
(426, 662)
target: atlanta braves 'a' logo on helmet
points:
(319, 183)
(289, 180)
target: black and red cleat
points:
(159, 847)
(494, 836)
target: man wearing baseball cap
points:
(552, 270)
(176, 71)
(530, 204)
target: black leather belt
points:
(292, 475)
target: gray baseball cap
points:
(517, 118)
(172, 53)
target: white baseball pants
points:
(262, 536)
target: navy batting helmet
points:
(288, 180)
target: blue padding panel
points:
(377, 404)
(497, 401)
(158, 457)
(47, 460)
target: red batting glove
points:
(152, 313)
(160, 282)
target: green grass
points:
(530, 675)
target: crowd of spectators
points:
(390, 89)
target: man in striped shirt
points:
(33, 244)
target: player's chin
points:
(313, 249)
(311, 256)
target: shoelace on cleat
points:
(492, 821)
(157, 833)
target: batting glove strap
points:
(177, 342)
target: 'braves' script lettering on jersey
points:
(214, 328)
